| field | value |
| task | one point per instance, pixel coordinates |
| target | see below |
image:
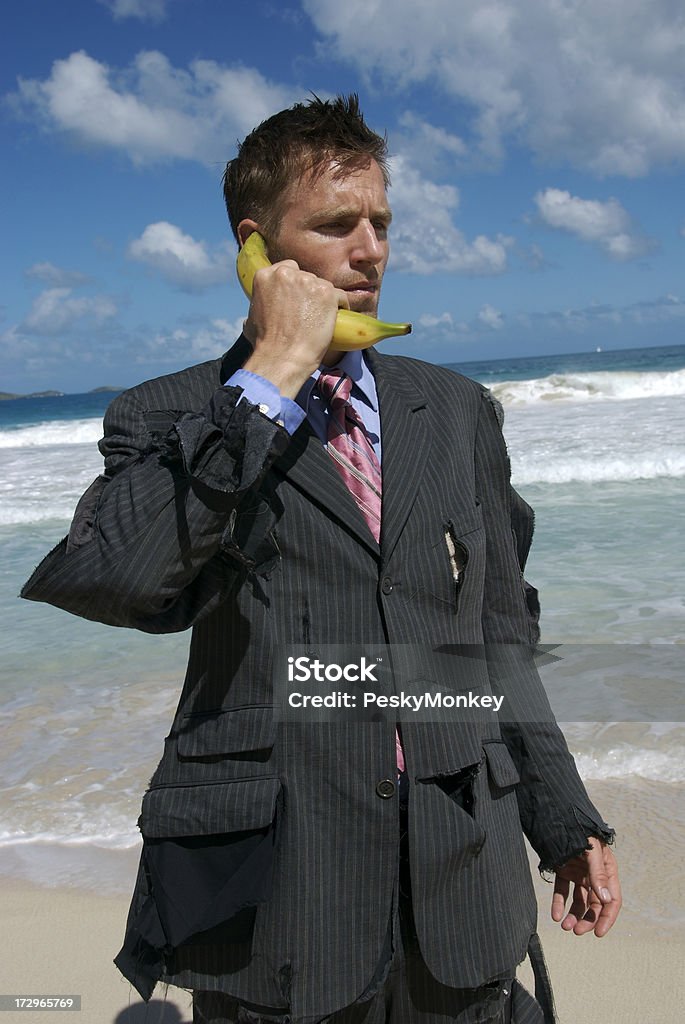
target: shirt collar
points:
(356, 367)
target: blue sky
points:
(537, 172)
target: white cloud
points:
(428, 147)
(105, 352)
(189, 343)
(57, 276)
(12, 343)
(431, 320)
(55, 311)
(638, 322)
(151, 110)
(661, 310)
(34, 360)
(424, 238)
(606, 223)
(179, 258)
(491, 317)
(145, 10)
(598, 85)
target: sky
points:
(538, 149)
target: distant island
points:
(106, 388)
(4, 395)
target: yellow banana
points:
(352, 330)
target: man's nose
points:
(369, 245)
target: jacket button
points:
(385, 789)
(386, 585)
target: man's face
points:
(337, 228)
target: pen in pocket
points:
(458, 556)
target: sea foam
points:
(585, 387)
(52, 432)
(598, 469)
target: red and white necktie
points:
(349, 446)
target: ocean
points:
(597, 446)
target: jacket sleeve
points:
(152, 541)
(556, 813)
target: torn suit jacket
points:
(270, 847)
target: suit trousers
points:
(402, 990)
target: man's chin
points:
(367, 304)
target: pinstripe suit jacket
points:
(269, 856)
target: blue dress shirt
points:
(310, 404)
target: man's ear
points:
(245, 229)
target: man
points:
(245, 498)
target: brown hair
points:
(302, 138)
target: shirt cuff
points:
(268, 399)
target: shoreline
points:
(642, 811)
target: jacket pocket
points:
(444, 821)
(250, 538)
(227, 731)
(501, 767)
(208, 855)
(465, 545)
(467, 520)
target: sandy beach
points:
(62, 941)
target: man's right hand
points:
(290, 324)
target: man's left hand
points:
(596, 897)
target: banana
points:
(352, 330)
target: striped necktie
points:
(355, 459)
(350, 448)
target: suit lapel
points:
(405, 441)
(405, 438)
(308, 466)
(305, 463)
